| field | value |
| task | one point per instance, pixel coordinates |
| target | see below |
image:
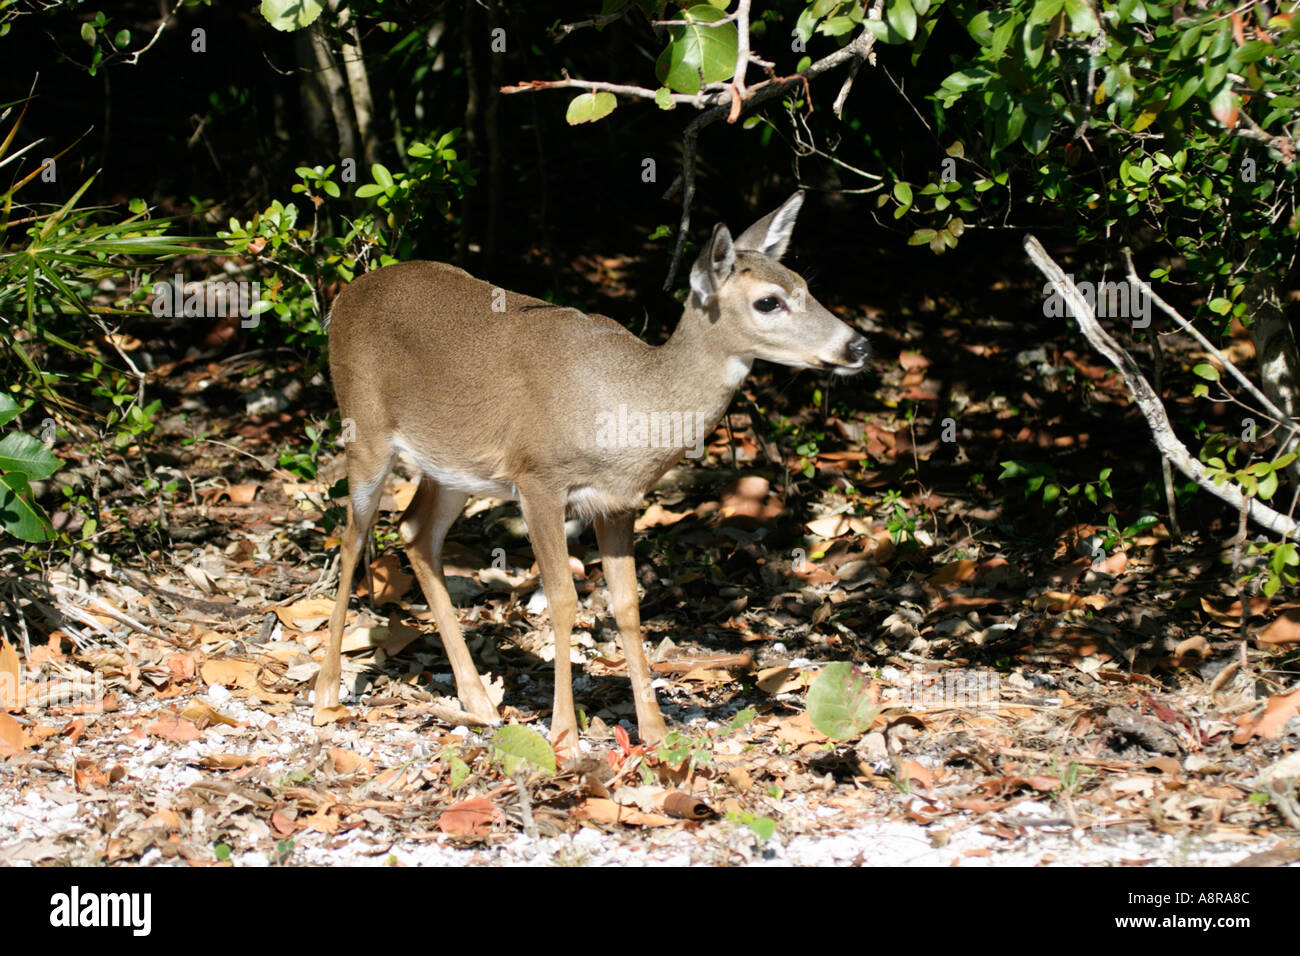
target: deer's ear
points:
(771, 234)
(714, 266)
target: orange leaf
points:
(345, 761)
(11, 736)
(10, 683)
(330, 715)
(1280, 709)
(603, 810)
(1283, 629)
(390, 581)
(470, 817)
(955, 573)
(915, 772)
(171, 727)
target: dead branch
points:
(1148, 402)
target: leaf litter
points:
(857, 669)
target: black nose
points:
(859, 348)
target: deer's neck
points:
(696, 370)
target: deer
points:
(494, 393)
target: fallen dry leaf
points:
(831, 526)
(601, 810)
(1279, 709)
(779, 680)
(920, 775)
(204, 715)
(10, 684)
(225, 761)
(472, 817)
(799, 730)
(173, 727)
(308, 609)
(330, 715)
(684, 806)
(1283, 629)
(390, 581)
(958, 572)
(347, 762)
(1231, 615)
(242, 674)
(657, 516)
(11, 736)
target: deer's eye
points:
(768, 304)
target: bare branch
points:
(564, 29)
(134, 58)
(1278, 415)
(1148, 402)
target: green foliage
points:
(517, 747)
(678, 749)
(1124, 115)
(763, 827)
(335, 244)
(835, 18)
(458, 770)
(1259, 479)
(1114, 536)
(841, 702)
(589, 107)
(23, 459)
(1282, 559)
(283, 851)
(901, 525)
(1043, 479)
(289, 15)
(696, 52)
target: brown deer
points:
(495, 393)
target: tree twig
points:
(1148, 402)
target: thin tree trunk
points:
(471, 125)
(354, 68)
(1275, 351)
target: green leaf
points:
(967, 79)
(590, 107)
(18, 515)
(1206, 371)
(1267, 485)
(1082, 19)
(841, 703)
(289, 15)
(25, 455)
(1044, 11)
(8, 409)
(836, 26)
(902, 18)
(664, 98)
(88, 33)
(459, 771)
(382, 176)
(517, 746)
(698, 49)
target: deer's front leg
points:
(544, 514)
(614, 532)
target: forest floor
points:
(1050, 688)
